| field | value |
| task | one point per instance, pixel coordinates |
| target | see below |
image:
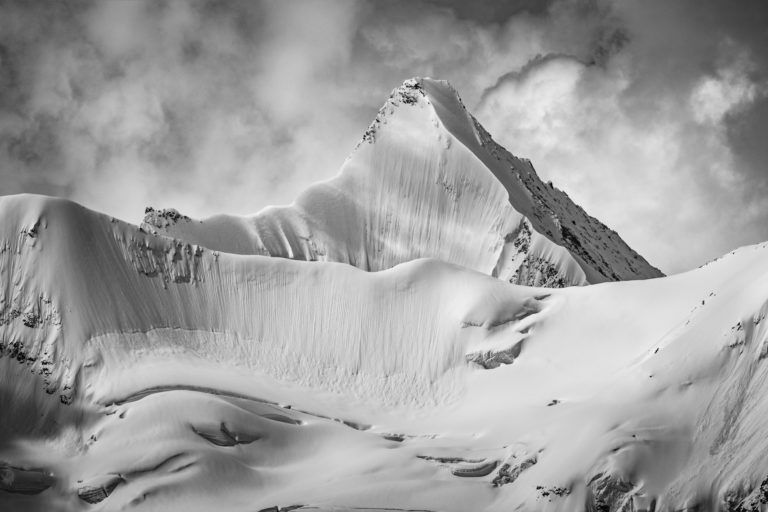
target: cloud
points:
(725, 93)
(216, 106)
(647, 113)
(641, 139)
(203, 105)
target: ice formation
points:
(165, 367)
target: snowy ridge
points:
(152, 283)
(427, 181)
(178, 366)
(144, 372)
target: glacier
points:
(377, 348)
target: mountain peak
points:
(149, 372)
(428, 181)
(425, 87)
(411, 92)
(550, 210)
(440, 95)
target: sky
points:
(651, 114)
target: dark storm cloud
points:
(650, 114)
(492, 11)
(747, 133)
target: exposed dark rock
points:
(538, 272)
(409, 92)
(490, 359)
(31, 319)
(741, 500)
(406, 94)
(522, 241)
(607, 493)
(163, 218)
(550, 492)
(33, 231)
(509, 473)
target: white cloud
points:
(729, 90)
(662, 177)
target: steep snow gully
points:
(374, 346)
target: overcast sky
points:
(653, 115)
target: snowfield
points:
(181, 366)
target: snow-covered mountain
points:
(146, 372)
(427, 181)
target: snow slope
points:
(427, 181)
(142, 372)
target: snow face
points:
(144, 372)
(427, 181)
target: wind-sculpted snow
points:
(427, 181)
(392, 336)
(144, 372)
